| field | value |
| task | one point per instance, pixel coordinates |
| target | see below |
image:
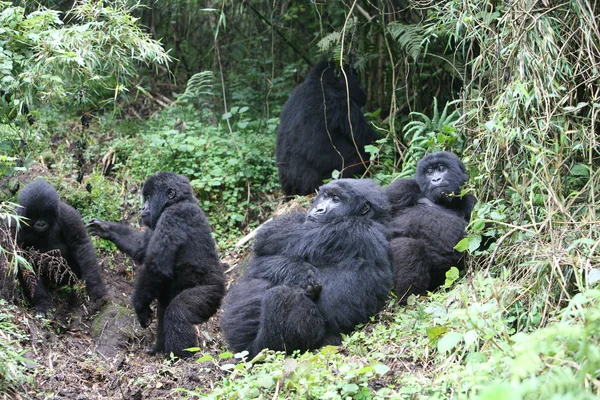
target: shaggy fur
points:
(314, 275)
(315, 136)
(180, 267)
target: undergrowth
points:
(231, 169)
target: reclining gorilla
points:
(53, 225)
(315, 135)
(428, 219)
(314, 275)
(180, 266)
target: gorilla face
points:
(439, 175)
(160, 191)
(39, 204)
(337, 200)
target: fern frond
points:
(198, 86)
(409, 37)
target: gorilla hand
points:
(99, 228)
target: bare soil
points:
(97, 350)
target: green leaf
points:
(449, 341)
(434, 332)
(381, 369)
(227, 354)
(205, 358)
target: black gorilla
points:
(428, 219)
(54, 225)
(315, 135)
(314, 275)
(180, 266)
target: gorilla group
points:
(51, 224)
(180, 267)
(321, 129)
(314, 275)
(429, 218)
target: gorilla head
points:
(160, 191)
(440, 175)
(345, 198)
(40, 204)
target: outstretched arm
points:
(129, 241)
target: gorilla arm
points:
(403, 193)
(130, 241)
(81, 250)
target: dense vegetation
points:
(512, 87)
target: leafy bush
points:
(91, 60)
(233, 172)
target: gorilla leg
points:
(289, 320)
(190, 307)
(41, 301)
(411, 268)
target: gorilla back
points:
(180, 266)
(314, 275)
(315, 134)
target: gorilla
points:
(429, 218)
(180, 267)
(51, 224)
(315, 275)
(316, 135)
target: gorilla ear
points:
(171, 193)
(365, 208)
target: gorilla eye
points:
(441, 168)
(429, 171)
(335, 199)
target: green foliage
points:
(102, 200)
(91, 61)
(425, 135)
(325, 374)
(12, 363)
(233, 172)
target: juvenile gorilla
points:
(54, 225)
(315, 135)
(428, 219)
(314, 275)
(180, 267)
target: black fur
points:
(54, 225)
(313, 275)
(180, 267)
(314, 135)
(429, 219)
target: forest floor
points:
(98, 351)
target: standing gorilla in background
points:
(428, 219)
(180, 266)
(54, 225)
(315, 135)
(314, 275)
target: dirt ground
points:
(98, 351)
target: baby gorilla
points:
(51, 224)
(180, 266)
(314, 275)
(429, 218)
